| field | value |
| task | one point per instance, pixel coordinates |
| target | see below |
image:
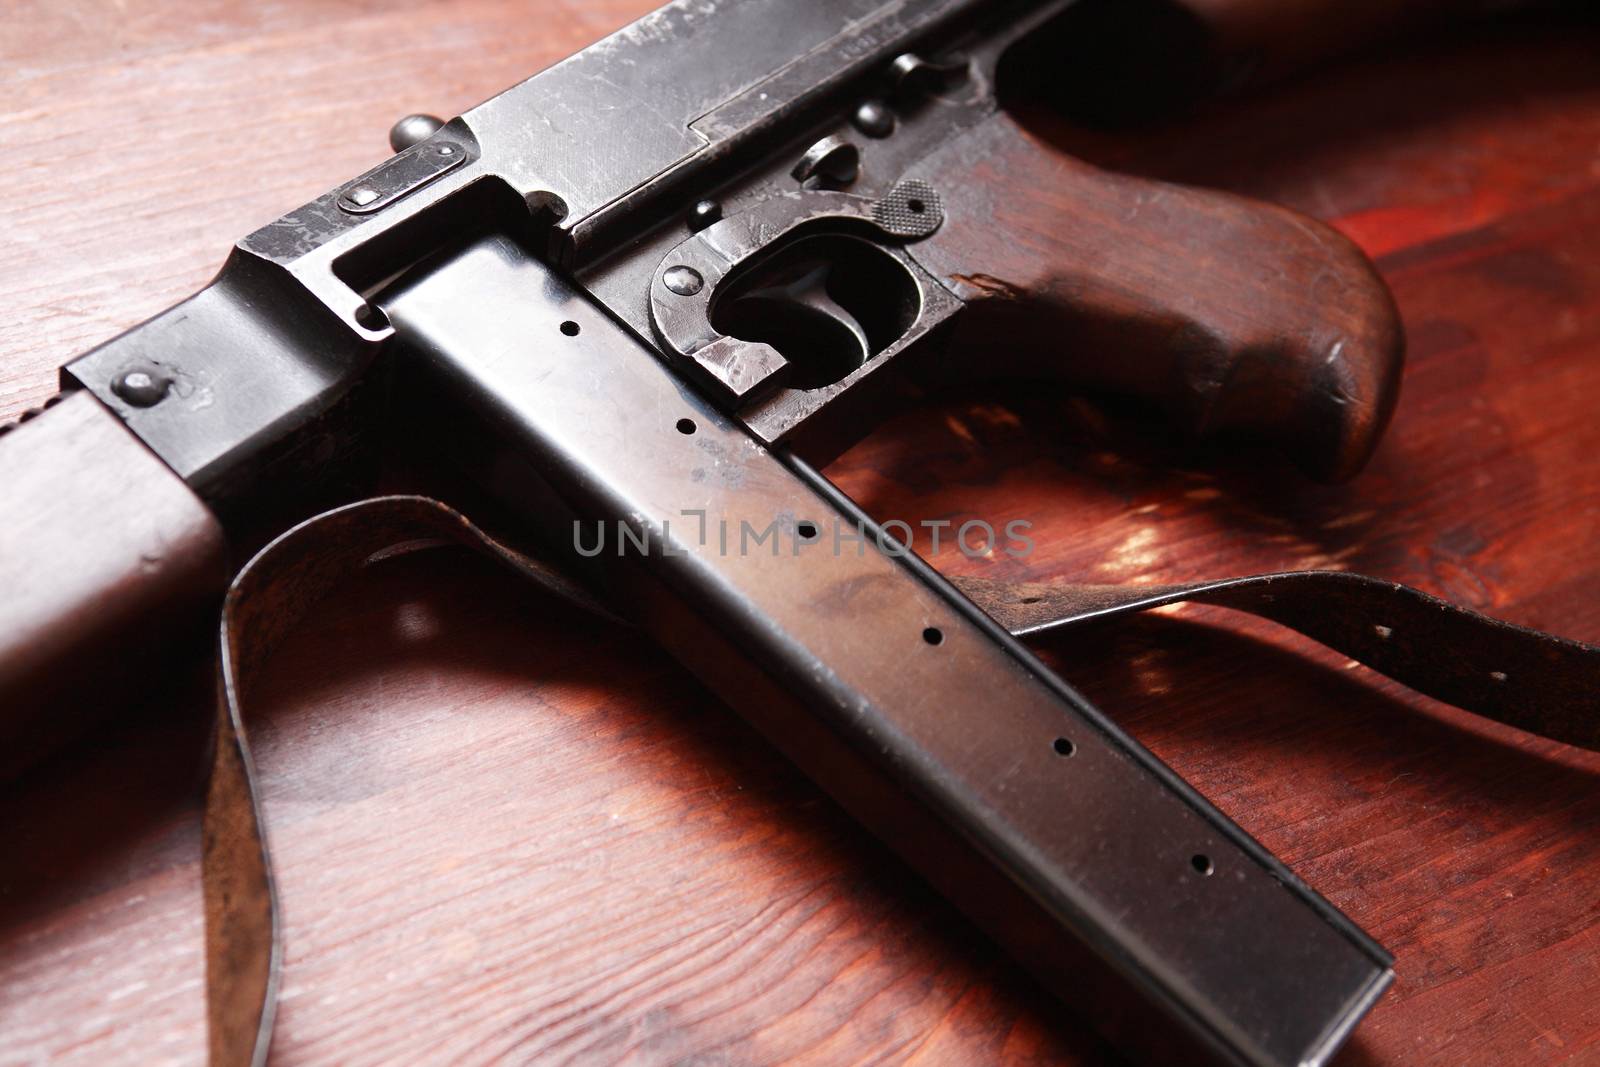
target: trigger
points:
(807, 294)
(791, 309)
(828, 303)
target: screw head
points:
(703, 214)
(685, 281)
(412, 130)
(142, 386)
(873, 118)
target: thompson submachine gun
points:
(651, 290)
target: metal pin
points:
(703, 214)
(413, 130)
(685, 281)
(873, 118)
(142, 386)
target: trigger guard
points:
(750, 379)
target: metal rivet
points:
(685, 281)
(413, 130)
(873, 118)
(142, 387)
(703, 214)
(363, 196)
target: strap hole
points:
(933, 635)
(1201, 862)
(1064, 747)
(570, 328)
(686, 426)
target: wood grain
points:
(506, 834)
(145, 561)
(1256, 323)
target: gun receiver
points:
(668, 276)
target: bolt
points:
(874, 118)
(143, 387)
(703, 214)
(412, 130)
(685, 281)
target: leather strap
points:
(266, 601)
(1531, 680)
(1525, 678)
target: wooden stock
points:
(106, 561)
(1236, 318)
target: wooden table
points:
(506, 834)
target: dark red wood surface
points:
(504, 833)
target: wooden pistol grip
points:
(1233, 317)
